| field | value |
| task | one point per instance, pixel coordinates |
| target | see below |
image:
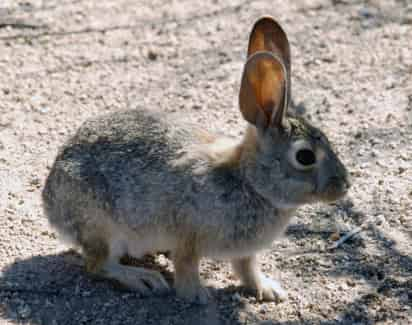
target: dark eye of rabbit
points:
(305, 157)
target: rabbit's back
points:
(112, 162)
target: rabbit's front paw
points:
(187, 280)
(270, 290)
(193, 294)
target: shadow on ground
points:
(57, 291)
(54, 289)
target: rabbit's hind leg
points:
(103, 262)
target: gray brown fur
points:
(136, 182)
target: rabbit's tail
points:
(59, 211)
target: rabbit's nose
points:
(348, 182)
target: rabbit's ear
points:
(262, 90)
(267, 35)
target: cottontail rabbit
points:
(134, 183)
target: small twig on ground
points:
(366, 223)
(19, 24)
(346, 237)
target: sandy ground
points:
(62, 61)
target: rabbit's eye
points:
(301, 155)
(306, 157)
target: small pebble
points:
(366, 13)
(335, 236)
(351, 283)
(358, 135)
(380, 219)
(152, 55)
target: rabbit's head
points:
(288, 161)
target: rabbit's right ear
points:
(263, 90)
(268, 35)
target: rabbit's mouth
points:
(335, 189)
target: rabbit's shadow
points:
(54, 289)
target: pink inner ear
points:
(262, 88)
(271, 90)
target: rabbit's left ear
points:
(268, 35)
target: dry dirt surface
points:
(62, 61)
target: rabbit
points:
(138, 182)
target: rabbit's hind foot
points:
(100, 263)
(144, 281)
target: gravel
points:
(64, 61)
